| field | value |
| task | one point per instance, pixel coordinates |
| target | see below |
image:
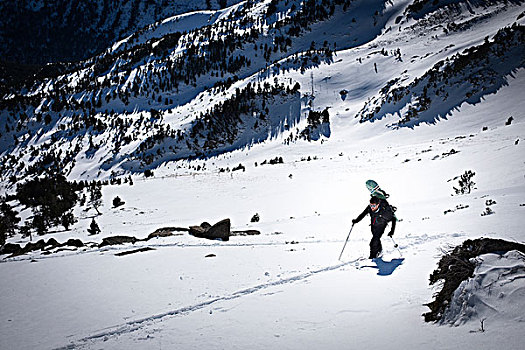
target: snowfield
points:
(286, 288)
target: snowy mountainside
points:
(255, 116)
(191, 86)
(462, 76)
(118, 88)
(41, 32)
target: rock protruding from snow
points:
(16, 249)
(166, 232)
(113, 240)
(462, 266)
(220, 230)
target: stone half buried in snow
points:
(16, 249)
(245, 233)
(114, 240)
(221, 230)
(166, 232)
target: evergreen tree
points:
(25, 231)
(93, 228)
(117, 202)
(39, 224)
(465, 182)
(67, 220)
(8, 221)
(95, 196)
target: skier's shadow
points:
(386, 268)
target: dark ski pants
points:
(375, 243)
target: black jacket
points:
(380, 217)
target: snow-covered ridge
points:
(186, 22)
(169, 72)
(462, 78)
(104, 113)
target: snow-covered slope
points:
(149, 98)
(283, 288)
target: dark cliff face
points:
(37, 32)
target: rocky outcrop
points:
(457, 266)
(166, 232)
(17, 249)
(221, 230)
(117, 240)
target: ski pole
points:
(346, 241)
(396, 245)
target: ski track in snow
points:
(409, 241)
(136, 325)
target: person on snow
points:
(380, 215)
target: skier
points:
(380, 214)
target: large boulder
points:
(221, 230)
(29, 247)
(11, 248)
(74, 243)
(52, 243)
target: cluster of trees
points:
(221, 123)
(315, 119)
(99, 94)
(273, 161)
(465, 183)
(210, 51)
(419, 8)
(418, 5)
(8, 220)
(218, 126)
(51, 199)
(50, 155)
(310, 12)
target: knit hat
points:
(374, 200)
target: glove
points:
(354, 221)
(391, 233)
